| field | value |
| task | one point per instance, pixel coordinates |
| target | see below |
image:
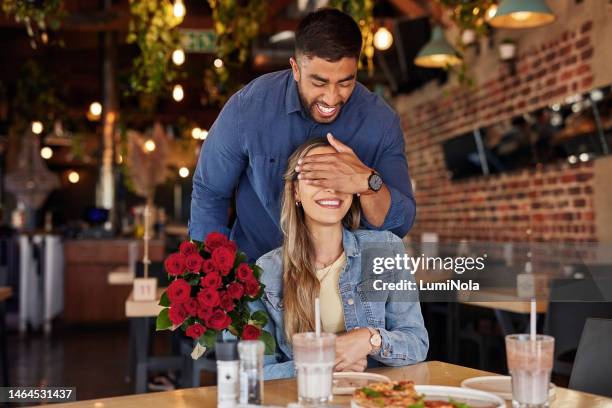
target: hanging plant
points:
(37, 16)
(469, 14)
(362, 13)
(153, 29)
(237, 24)
(36, 97)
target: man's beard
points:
(308, 108)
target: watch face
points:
(376, 340)
(375, 182)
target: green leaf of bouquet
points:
(260, 317)
(257, 271)
(164, 301)
(240, 258)
(163, 320)
(269, 342)
(208, 339)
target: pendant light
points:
(522, 14)
(437, 53)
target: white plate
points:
(499, 385)
(351, 381)
(474, 398)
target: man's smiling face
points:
(324, 86)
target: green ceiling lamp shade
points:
(437, 53)
(522, 14)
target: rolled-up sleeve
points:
(393, 168)
(221, 163)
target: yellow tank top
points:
(332, 312)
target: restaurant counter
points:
(89, 298)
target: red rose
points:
(219, 320)
(214, 240)
(211, 280)
(231, 245)
(177, 314)
(194, 262)
(223, 259)
(227, 303)
(191, 306)
(208, 266)
(235, 290)
(204, 312)
(251, 288)
(175, 264)
(195, 330)
(209, 297)
(244, 272)
(188, 248)
(178, 291)
(250, 332)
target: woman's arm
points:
(404, 338)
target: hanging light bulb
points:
(522, 14)
(178, 56)
(177, 93)
(37, 127)
(437, 53)
(491, 11)
(196, 133)
(73, 177)
(95, 108)
(46, 152)
(204, 134)
(218, 63)
(178, 9)
(184, 172)
(149, 146)
(383, 39)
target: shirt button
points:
(350, 301)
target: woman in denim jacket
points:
(324, 255)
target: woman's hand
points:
(358, 366)
(351, 348)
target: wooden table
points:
(282, 392)
(500, 299)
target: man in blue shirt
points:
(247, 147)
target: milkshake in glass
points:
(314, 359)
(530, 363)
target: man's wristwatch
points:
(375, 183)
(375, 340)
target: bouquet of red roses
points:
(211, 286)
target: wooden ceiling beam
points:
(410, 8)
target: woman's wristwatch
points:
(375, 341)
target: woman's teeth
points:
(329, 203)
(325, 111)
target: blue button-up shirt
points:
(248, 146)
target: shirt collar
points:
(349, 242)
(292, 97)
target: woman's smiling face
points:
(322, 205)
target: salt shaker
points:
(251, 371)
(228, 381)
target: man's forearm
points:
(375, 206)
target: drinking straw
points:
(532, 320)
(317, 317)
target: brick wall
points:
(549, 203)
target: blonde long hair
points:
(300, 283)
